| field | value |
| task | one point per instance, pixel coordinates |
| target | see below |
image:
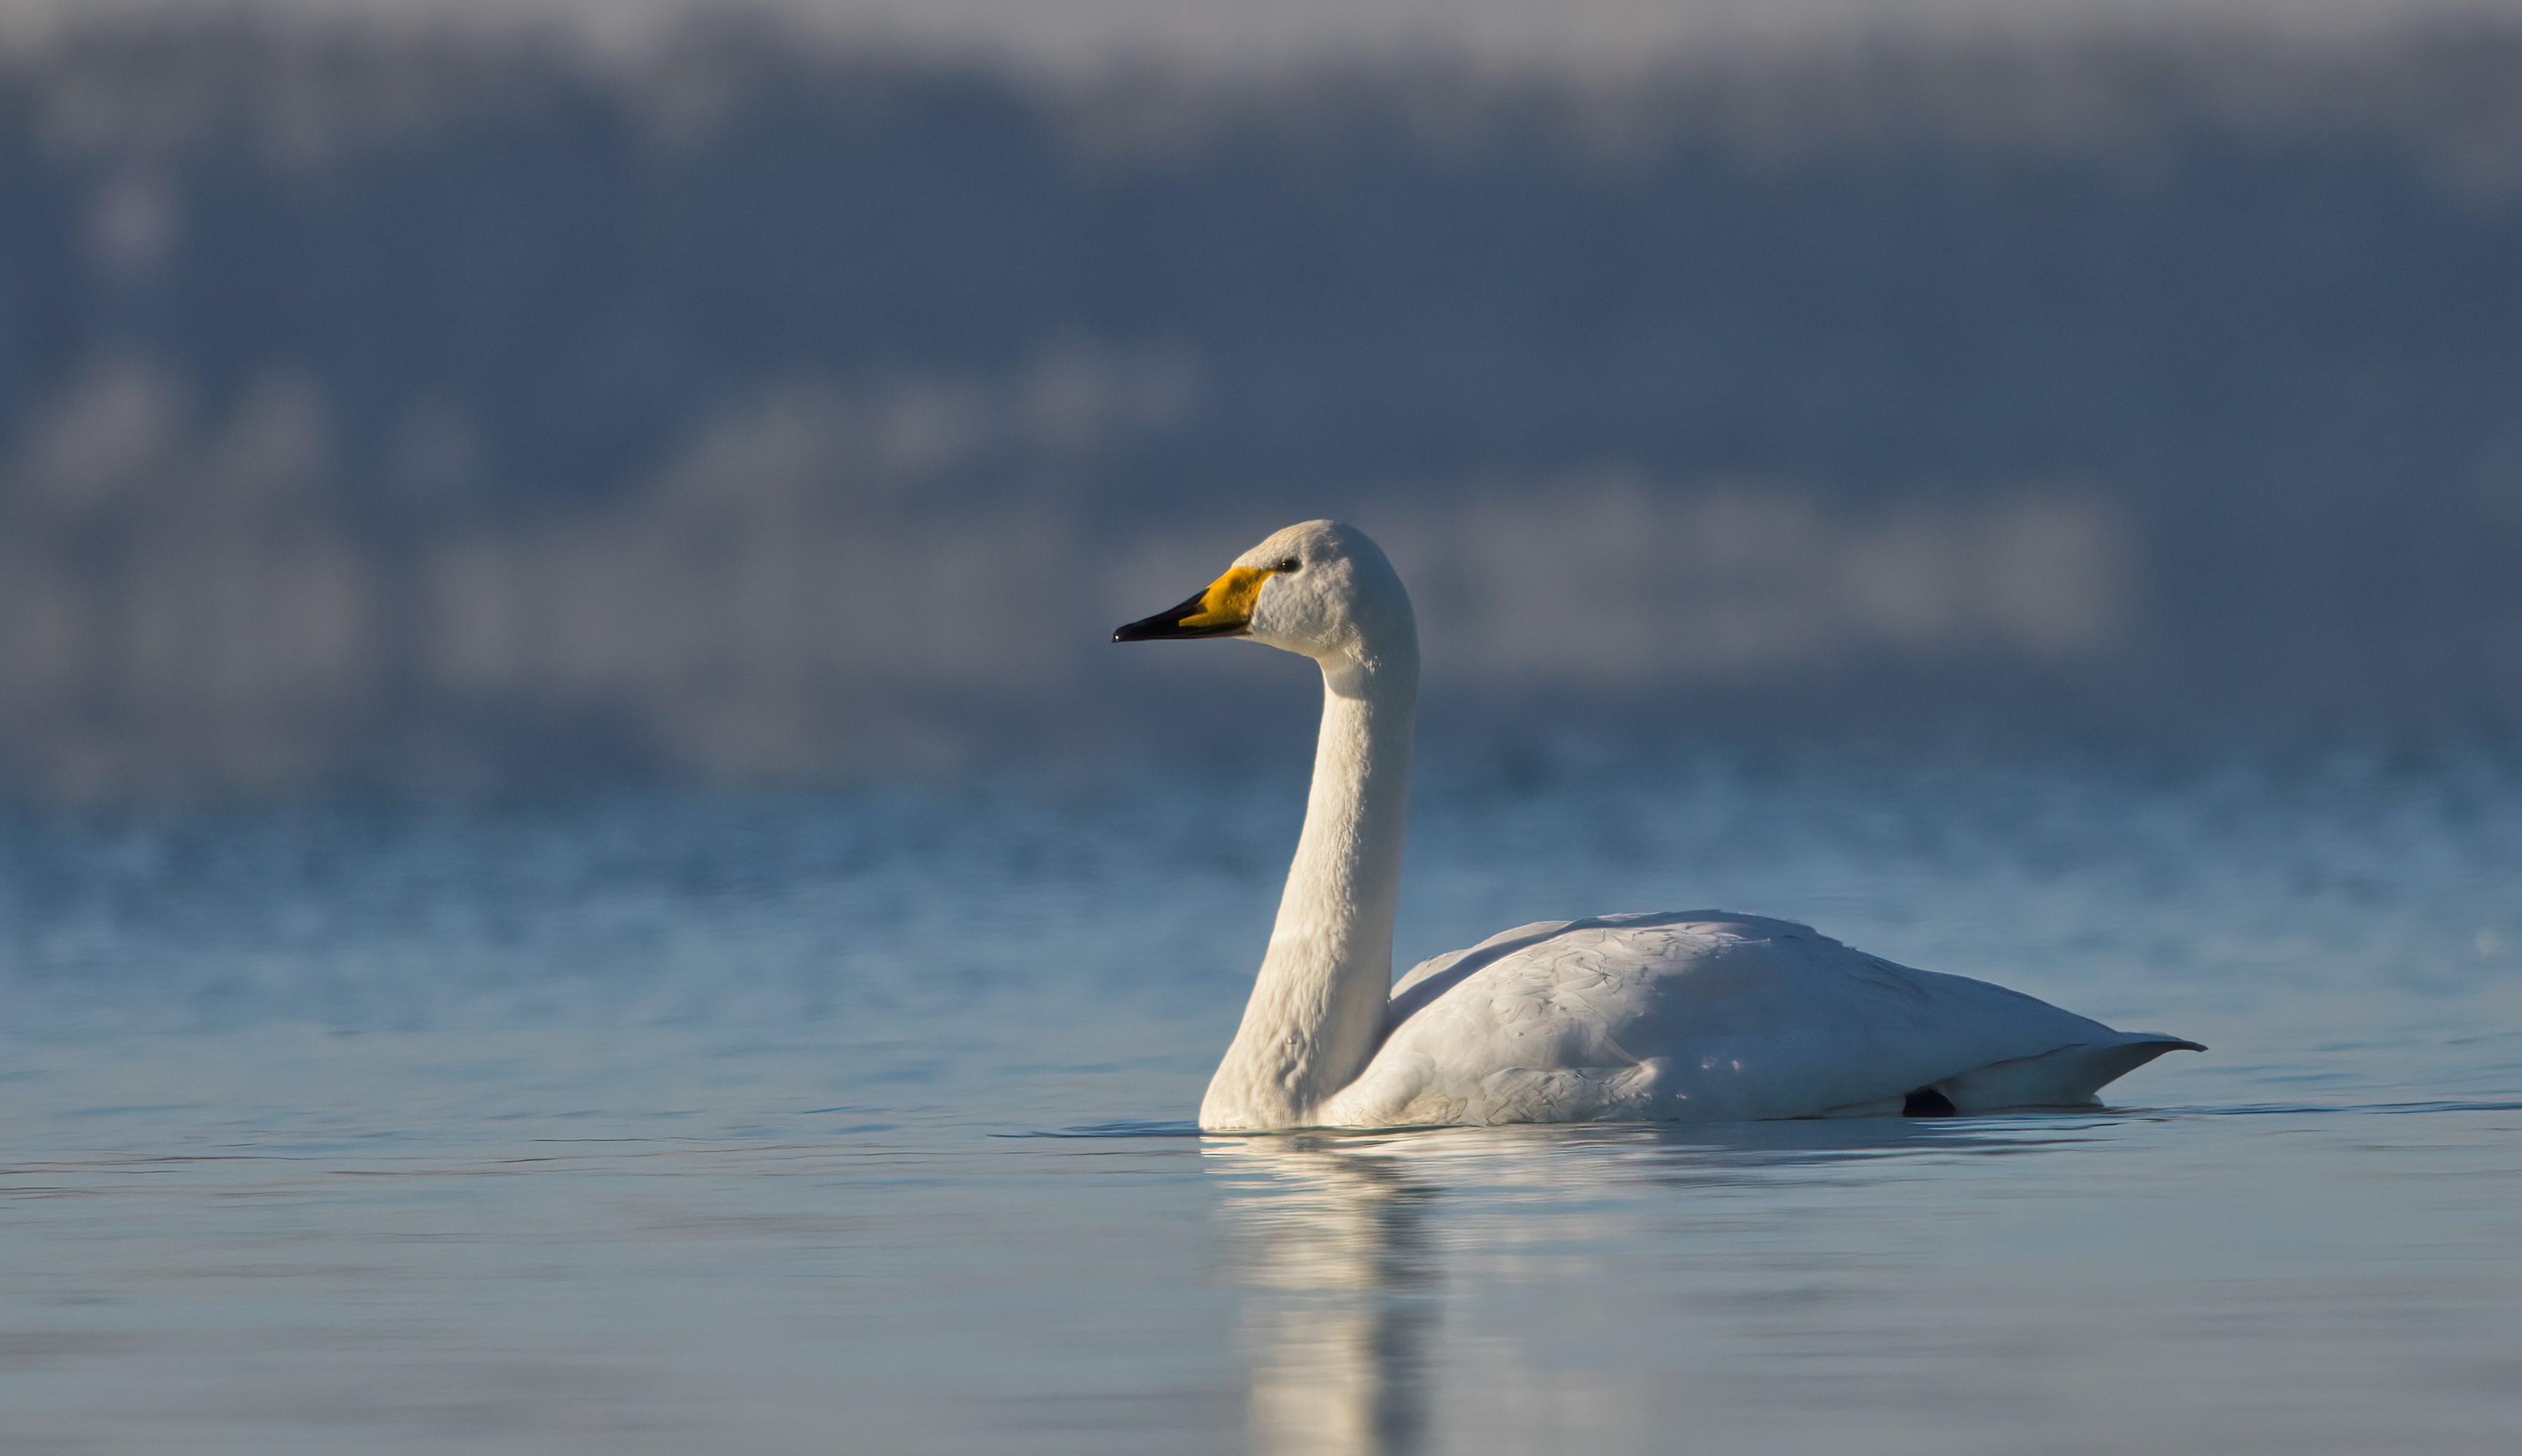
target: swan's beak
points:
(1223, 610)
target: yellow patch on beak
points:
(1226, 605)
(1222, 611)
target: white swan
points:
(1689, 1016)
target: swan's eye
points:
(1290, 564)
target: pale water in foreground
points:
(857, 1123)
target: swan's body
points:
(1701, 1016)
(1704, 1016)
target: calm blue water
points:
(857, 1123)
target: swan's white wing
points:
(1709, 1016)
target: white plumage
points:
(1706, 1016)
(1688, 1016)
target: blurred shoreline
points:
(441, 408)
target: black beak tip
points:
(1166, 626)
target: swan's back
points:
(1709, 1016)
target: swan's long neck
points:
(1317, 1008)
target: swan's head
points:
(1320, 588)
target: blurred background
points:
(454, 395)
(580, 872)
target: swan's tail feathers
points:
(2069, 1077)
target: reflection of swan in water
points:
(1698, 1017)
(1335, 1244)
(1351, 1246)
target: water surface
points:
(856, 1122)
